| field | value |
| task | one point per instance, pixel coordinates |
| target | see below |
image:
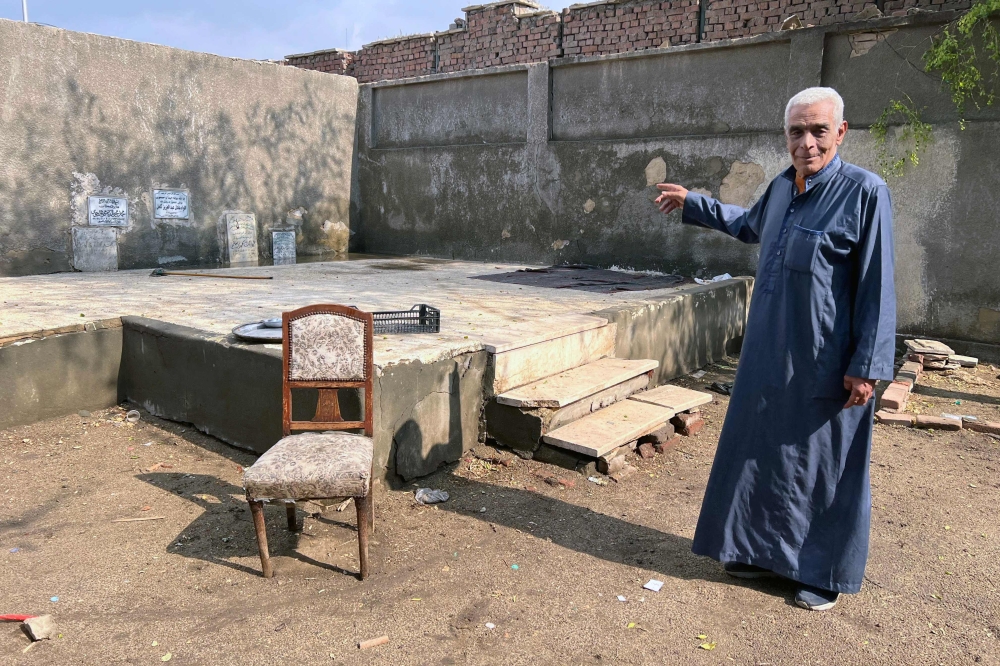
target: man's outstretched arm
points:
(740, 223)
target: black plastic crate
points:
(418, 319)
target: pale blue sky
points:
(249, 28)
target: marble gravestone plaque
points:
(171, 204)
(107, 211)
(241, 238)
(95, 249)
(283, 247)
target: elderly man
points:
(789, 490)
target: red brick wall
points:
(630, 26)
(334, 61)
(521, 31)
(396, 59)
(500, 35)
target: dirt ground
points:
(545, 566)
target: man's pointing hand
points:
(671, 197)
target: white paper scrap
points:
(653, 585)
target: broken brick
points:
(938, 423)
(895, 396)
(688, 424)
(989, 427)
(888, 418)
(646, 450)
(661, 447)
(663, 434)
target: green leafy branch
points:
(912, 138)
(966, 55)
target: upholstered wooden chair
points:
(325, 347)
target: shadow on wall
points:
(231, 154)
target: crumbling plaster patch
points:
(656, 171)
(741, 183)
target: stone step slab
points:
(964, 361)
(677, 398)
(602, 431)
(530, 333)
(576, 384)
(524, 365)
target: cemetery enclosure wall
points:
(83, 114)
(564, 170)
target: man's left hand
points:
(861, 391)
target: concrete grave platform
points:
(168, 345)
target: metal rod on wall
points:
(24, 9)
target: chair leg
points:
(364, 506)
(290, 512)
(257, 510)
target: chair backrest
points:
(326, 347)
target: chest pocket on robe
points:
(802, 250)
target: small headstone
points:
(283, 247)
(171, 204)
(95, 249)
(241, 237)
(107, 211)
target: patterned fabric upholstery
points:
(312, 465)
(326, 347)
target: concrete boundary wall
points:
(575, 181)
(84, 115)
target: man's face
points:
(812, 136)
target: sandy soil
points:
(544, 564)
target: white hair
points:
(814, 95)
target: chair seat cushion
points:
(312, 465)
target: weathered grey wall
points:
(574, 182)
(81, 112)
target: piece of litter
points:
(490, 625)
(631, 625)
(653, 585)
(133, 417)
(53, 599)
(621, 598)
(15, 550)
(148, 444)
(483, 510)
(514, 567)
(430, 496)
(707, 646)
(343, 505)
(167, 657)
(717, 278)
(373, 642)
(136, 520)
(598, 480)
(155, 643)
(698, 375)
(701, 637)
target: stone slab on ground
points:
(677, 398)
(609, 428)
(922, 346)
(525, 365)
(573, 385)
(964, 361)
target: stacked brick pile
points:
(332, 61)
(396, 58)
(613, 27)
(502, 33)
(926, 355)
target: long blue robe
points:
(789, 489)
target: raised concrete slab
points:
(576, 384)
(676, 398)
(530, 333)
(543, 359)
(602, 431)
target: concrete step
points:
(532, 332)
(676, 398)
(617, 425)
(576, 384)
(543, 358)
(521, 427)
